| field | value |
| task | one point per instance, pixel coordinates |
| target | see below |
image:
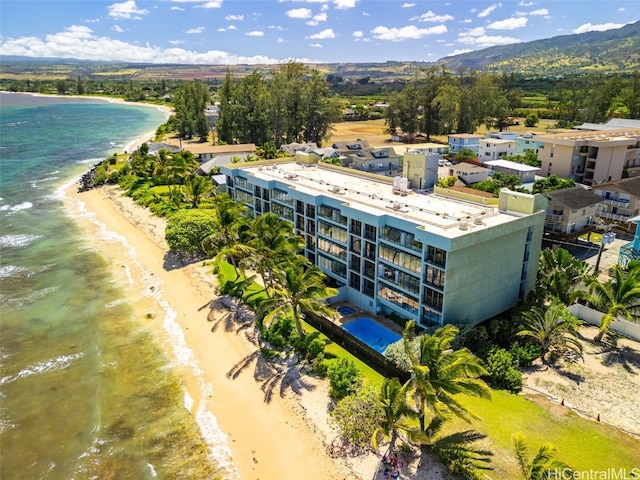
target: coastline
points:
(226, 383)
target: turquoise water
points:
(371, 333)
(85, 391)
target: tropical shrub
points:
(186, 229)
(357, 416)
(344, 378)
(503, 373)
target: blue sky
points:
(271, 31)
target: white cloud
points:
(365, 14)
(232, 27)
(202, 3)
(406, 33)
(176, 42)
(221, 29)
(509, 24)
(298, 13)
(315, 45)
(117, 28)
(459, 52)
(280, 40)
(526, 4)
(540, 11)
(466, 20)
(621, 9)
(80, 42)
(475, 32)
(487, 40)
(344, 4)
(432, 17)
(276, 27)
(194, 30)
(321, 17)
(324, 34)
(488, 10)
(324, 7)
(255, 33)
(587, 27)
(127, 10)
(234, 18)
(357, 34)
(178, 9)
(408, 5)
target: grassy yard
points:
(583, 444)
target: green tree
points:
(190, 101)
(226, 126)
(618, 297)
(553, 328)
(531, 120)
(447, 101)
(543, 466)
(631, 95)
(439, 373)
(299, 289)
(448, 181)
(229, 221)
(397, 415)
(357, 416)
(552, 182)
(195, 188)
(562, 277)
(465, 154)
(187, 229)
(344, 378)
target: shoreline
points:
(225, 380)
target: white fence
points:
(589, 315)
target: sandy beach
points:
(267, 439)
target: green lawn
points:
(583, 444)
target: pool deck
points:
(359, 313)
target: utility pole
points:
(607, 237)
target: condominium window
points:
(402, 259)
(354, 280)
(311, 211)
(332, 248)
(332, 266)
(332, 214)
(244, 197)
(436, 256)
(368, 288)
(281, 196)
(430, 317)
(369, 269)
(332, 231)
(402, 279)
(370, 232)
(355, 262)
(404, 301)
(355, 244)
(282, 211)
(400, 237)
(355, 227)
(433, 298)
(434, 276)
(370, 250)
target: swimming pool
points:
(345, 310)
(372, 333)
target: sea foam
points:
(18, 240)
(45, 366)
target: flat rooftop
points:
(448, 217)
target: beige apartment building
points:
(591, 157)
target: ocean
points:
(86, 390)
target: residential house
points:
(206, 151)
(294, 147)
(570, 210)
(433, 258)
(526, 173)
(495, 148)
(378, 160)
(347, 148)
(620, 201)
(460, 141)
(469, 172)
(525, 142)
(591, 157)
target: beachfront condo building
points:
(436, 258)
(591, 157)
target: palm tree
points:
(439, 373)
(195, 188)
(618, 297)
(553, 328)
(273, 242)
(298, 289)
(229, 220)
(397, 415)
(562, 276)
(542, 466)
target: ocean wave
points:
(89, 160)
(16, 303)
(16, 208)
(51, 365)
(18, 240)
(11, 271)
(34, 183)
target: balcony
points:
(616, 203)
(553, 217)
(627, 253)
